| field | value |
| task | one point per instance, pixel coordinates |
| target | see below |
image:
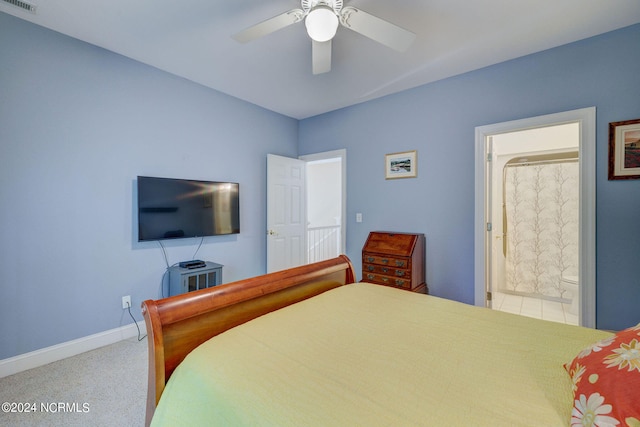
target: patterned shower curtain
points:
(541, 213)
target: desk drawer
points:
(400, 273)
(387, 280)
(386, 261)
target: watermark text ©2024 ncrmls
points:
(47, 407)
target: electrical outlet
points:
(126, 302)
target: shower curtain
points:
(541, 213)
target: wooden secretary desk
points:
(395, 259)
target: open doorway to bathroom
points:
(535, 217)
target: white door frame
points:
(342, 154)
(586, 117)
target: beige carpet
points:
(103, 387)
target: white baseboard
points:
(41, 357)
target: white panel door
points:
(286, 213)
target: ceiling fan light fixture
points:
(322, 23)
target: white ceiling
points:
(192, 39)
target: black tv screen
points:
(180, 208)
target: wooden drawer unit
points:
(395, 259)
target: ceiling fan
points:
(322, 18)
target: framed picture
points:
(624, 150)
(401, 165)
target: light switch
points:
(358, 217)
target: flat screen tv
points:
(181, 208)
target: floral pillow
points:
(606, 382)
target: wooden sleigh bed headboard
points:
(178, 324)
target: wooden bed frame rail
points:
(176, 325)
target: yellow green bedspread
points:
(369, 355)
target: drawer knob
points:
(371, 259)
(385, 261)
(399, 263)
(370, 276)
(400, 273)
(370, 267)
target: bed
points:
(308, 346)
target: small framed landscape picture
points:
(401, 165)
(624, 150)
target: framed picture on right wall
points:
(624, 149)
(401, 165)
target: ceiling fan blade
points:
(377, 29)
(269, 26)
(321, 56)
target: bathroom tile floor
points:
(534, 307)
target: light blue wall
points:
(439, 120)
(77, 125)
